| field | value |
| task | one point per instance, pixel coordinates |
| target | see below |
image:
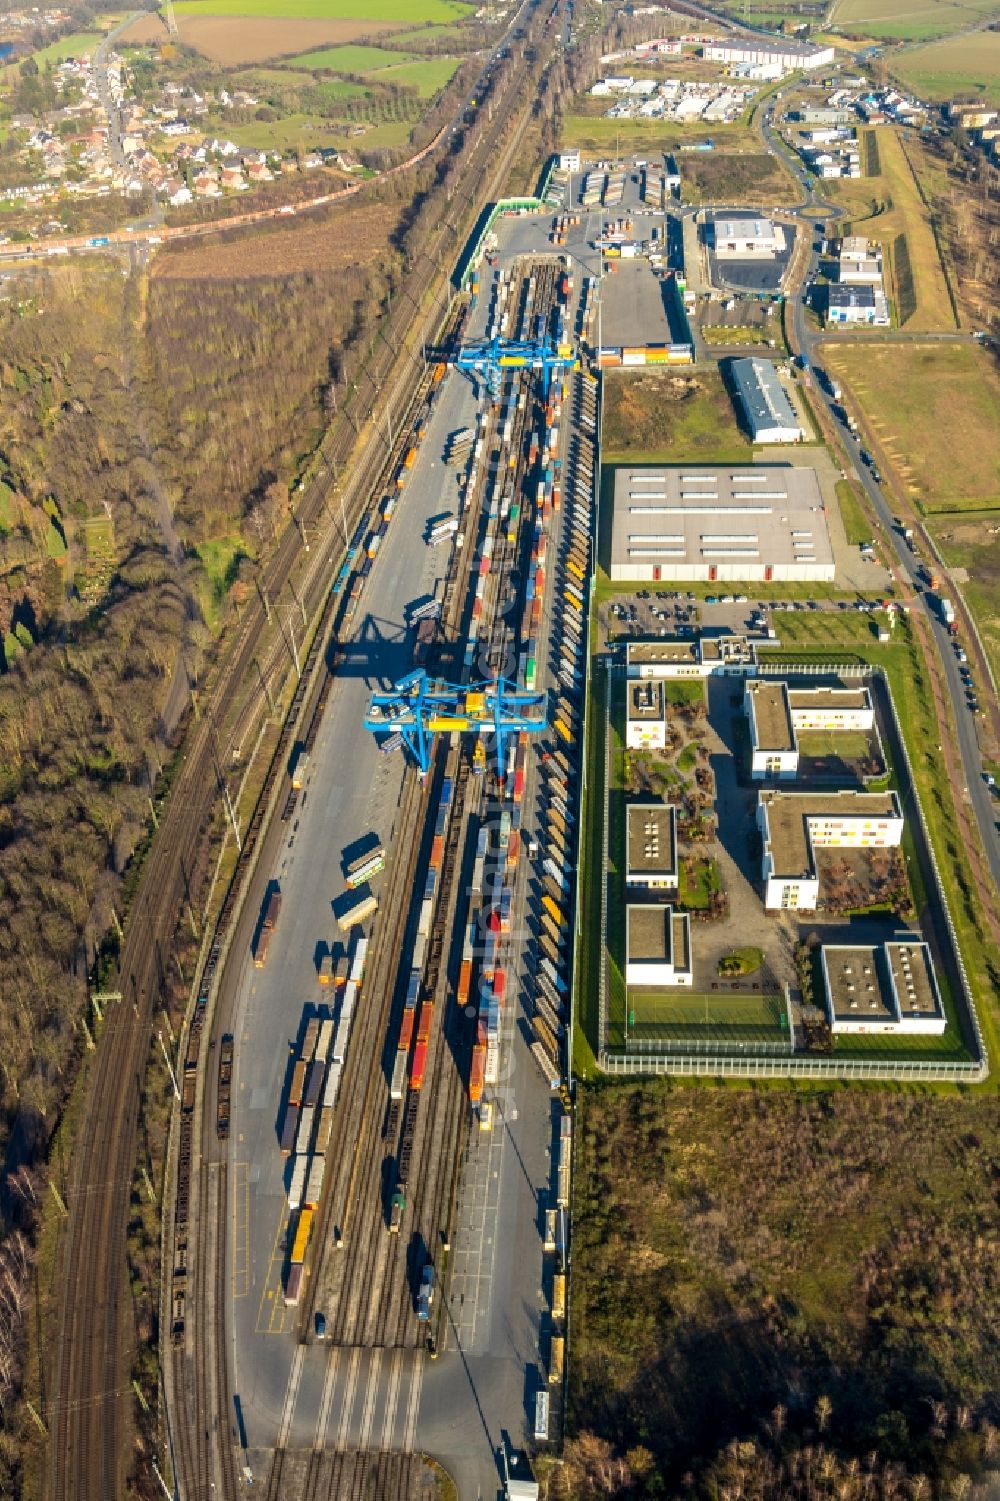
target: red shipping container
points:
(493, 921)
(484, 567)
(406, 1030)
(419, 1066)
(518, 794)
(500, 984)
(426, 1020)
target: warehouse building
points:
(651, 846)
(646, 717)
(745, 237)
(859, 262)
(766, 406)
(794, 824)
(657, 946)
(862, 303)
(760, 522)
(887, 987)
(793, 56)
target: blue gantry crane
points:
(491, 359)
(418, 707)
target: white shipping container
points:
(397, 1085)
(303, 1135)
(332, 1084)
(297, 1181)
(314, 1181)
(426, 914)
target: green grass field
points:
(910, 20)
(351, 59)
(958, 65)
(680, 1016)
(409, 12)
(935, 411)
(599, 134)
(857, 526)
(428, 75)
(309, 132)
(67, 46)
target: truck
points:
(948, 614)
(425, 1295)
(268, 923)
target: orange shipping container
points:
(419, 1066)
(410, 458)
(464, 982)
(477, 1073)
(298, 1083)
(437, 851)
(425, 1023)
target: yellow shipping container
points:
(552, 910)
(559, 1296)
(302, 1232)
(557, 1358)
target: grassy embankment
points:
(888, 208)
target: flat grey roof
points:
(786, 821)
(771, 716)
(762, 396)
(652, 839)
(645, 699)
(914, 980)
(857, 985)
(852, 294)
(829, 698)
(673, 649)
(649, 933)
(757, 513)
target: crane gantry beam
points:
(494, 358)
(418, 708)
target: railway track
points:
(88, 1408)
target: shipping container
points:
(303, 1230)
(559, 1296)
(303, 1135)
(324, 1129)
(293, 1284)
(314, 1182)
(314, 1083)
(397, 1085)
(426, 1021)
(419, 1066)
(477, 1072)
(357, 911)
(289, 1127)
(298, 1083)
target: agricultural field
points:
(910, 20)
(934, 411)
(407, 13)
(67, 46)
(966, 66)
(888, 208)
(674, 417)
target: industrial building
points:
(651, 846)
(864, 303)
(776, 713)
(793, 56)
(859, 262)
(758, 522)
(887, 987)
(657, 946)
(568, 161)
(646, 717)
(765, 404)
(794, 824)
(745, 236)
(677, 657)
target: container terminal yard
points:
(386, 1080)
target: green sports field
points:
(678, 1016)
(406, 12)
